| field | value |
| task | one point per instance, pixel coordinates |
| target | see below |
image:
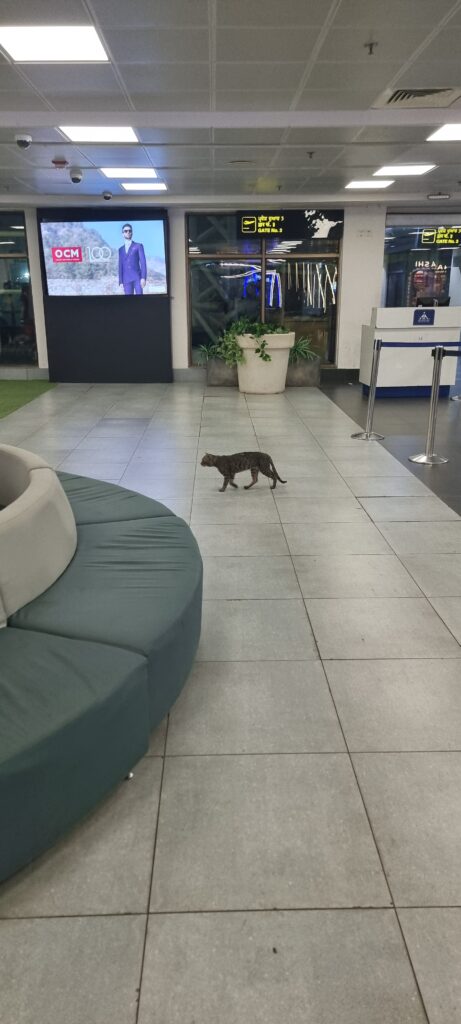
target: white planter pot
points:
(257, 377)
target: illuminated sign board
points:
(262, 223)
(441, 236)
(293, 224)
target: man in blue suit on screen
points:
(132, 269)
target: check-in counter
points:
(408, 371)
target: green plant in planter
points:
(301, 350)
(229, 349)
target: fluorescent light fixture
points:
(17, 227)
(447, 133)
(372, 183)
(55, 44)
(144, 186)
(6, 243)
(129, 172)
(401, 169)
(91, 134)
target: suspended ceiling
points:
(234, 98)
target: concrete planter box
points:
(218, 374)
(304, 374)
(257, 377)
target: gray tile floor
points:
(288, 851)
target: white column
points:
(36, 285)
(179, 294)
(360, 277)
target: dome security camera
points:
(76, 175)
(107, 195)
(23, 141)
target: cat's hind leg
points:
(254, 479)
(231, 481)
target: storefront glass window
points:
(294, 252)
(17, 329)
(301, 295)
(222, 291)
(422, 266)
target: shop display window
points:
(422, 266)
(17, 328)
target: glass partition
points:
(17, 329)
(301, 294)
(221, 291)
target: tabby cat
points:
(256, 462)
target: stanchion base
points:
(455, 398)
(363, 436)
(427, 460)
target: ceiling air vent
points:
(406, 99)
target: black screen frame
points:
(141, 214)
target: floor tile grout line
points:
(282, 909)
(151, 880)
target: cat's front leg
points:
(226, 481)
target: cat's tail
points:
(278, 477)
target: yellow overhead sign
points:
(441, 236)
(262, 224)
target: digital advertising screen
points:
(104, 257)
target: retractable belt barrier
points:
(429, 457)
(369, 434)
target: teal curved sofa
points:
(90, 666)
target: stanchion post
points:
(429, 457)
(368, 434)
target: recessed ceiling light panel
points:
(55, 44)
(129, 172)
(96, 135)
(144, 186)
(402, 169)
(372, 183)
(447, 133)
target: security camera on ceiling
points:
(107, 195)
(76, 175)
(23, 141)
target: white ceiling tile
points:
(237, 100)
(429, 74)
(67, 78)
(185, 136)
(180, 156)
(262, 156)
(164, 44)
(258, 75)
(370, 156)
(154, 78)
(353, 76)
(336, 99)
(46, 12)
(195, 100)
(10, 80)
(41, 156)
(144, 13)
(265, 44)
(247, 136)
(91, 100)
(289, 157)
(320, 136)
(271, 12)
(347, 44)
(446, 44)
(434, 153)
(27, 100)
(409, 13)
(113, 156)
(403, 134)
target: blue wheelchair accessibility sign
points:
(423, 317)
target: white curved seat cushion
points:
(15, 467)
(38, 538)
